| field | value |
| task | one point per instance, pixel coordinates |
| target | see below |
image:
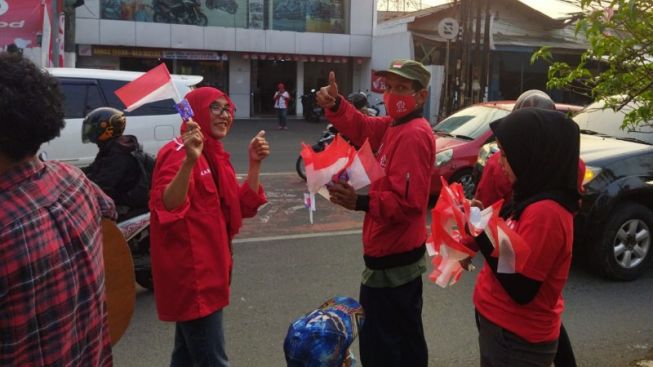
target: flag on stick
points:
(364, 168)
(154, 85)
(322, 166)
(454, 225)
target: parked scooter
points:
(312, 111)
(179, 11)
(136, 231)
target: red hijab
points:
(223, 172)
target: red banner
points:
(21, 22)
(378, 83)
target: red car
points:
(460, 136)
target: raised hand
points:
(326, 96)
(193, 140)
(259, 148)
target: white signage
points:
(448, 28)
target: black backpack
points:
(139, 195)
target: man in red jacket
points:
(394, 231)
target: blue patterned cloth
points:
(322, 337)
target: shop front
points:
(299, 73)
(212, 65)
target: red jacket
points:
(396, 218)
(191, 258)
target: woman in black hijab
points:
(518, 314)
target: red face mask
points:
(399, 106)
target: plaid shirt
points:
(52, 300)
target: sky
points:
(552, 8)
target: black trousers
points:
(393, 334)
(502, 348)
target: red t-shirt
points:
(548, 229)
(191, 259)
(494, 184)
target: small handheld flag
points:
(184, 110)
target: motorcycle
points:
(325, 139)
(312, 111)
(136, 231)
(179, 11)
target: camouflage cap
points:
(409, 69)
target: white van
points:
(154, 124)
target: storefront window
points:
(326, 16)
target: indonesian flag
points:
(455, 223)
(447, 241)
(154, 85)
(322, 166)
(364, 168)
(510, 249)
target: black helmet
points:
(534, 98)
(359, 100)
(103, 124)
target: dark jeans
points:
(281, 115)
(502, 348)
(393, 334)
(200, 343)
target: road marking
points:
(297, 236)
(262, 174)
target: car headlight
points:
(486, 152)
(443, 157)
(590, 174)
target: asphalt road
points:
(285, 267)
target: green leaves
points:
(619, 60)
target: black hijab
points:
(542, 148)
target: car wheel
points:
(465, 178)
(624, 249)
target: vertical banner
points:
(21, 22)
(60, 40)
(46, 38)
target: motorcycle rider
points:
(115, 170)
(359, 100)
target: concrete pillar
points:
(299, 88)
(240, 85)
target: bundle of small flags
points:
(339, 161)
(455, 224)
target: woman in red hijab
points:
(197, 208)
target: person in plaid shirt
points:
(52, 297)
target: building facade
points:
(245, 47)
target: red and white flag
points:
(154, 85)
(509, 248)
(454, 225)
(364, 168)
(322, 166)
(447, 240)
